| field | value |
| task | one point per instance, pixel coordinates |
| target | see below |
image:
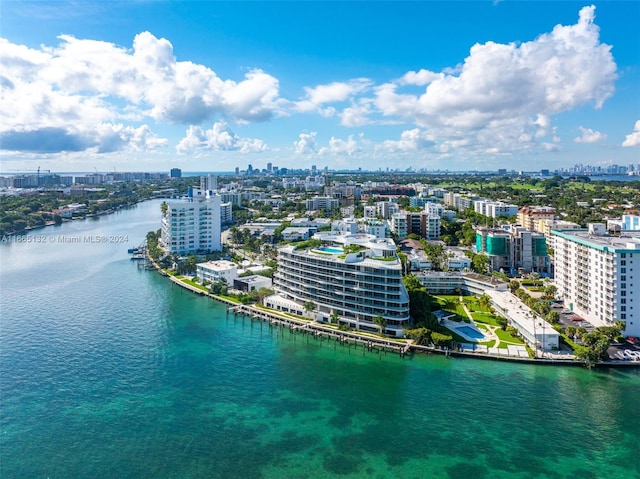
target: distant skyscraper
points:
(176, 173)
(269, 167)
(237, 170)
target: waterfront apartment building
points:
(513, 249)
(191, 224)
(358, 277)
(598, 275)
(529, 217)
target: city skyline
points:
(207, 86)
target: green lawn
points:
(507, 338)
(444, 297)
(460, 311)
(456, 337)
(195, 285)
(229, 298)
(485, 318)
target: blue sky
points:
(208, 86)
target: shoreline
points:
(376, 343)
(115, 209)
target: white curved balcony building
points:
(356, 276)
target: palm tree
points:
(484, 301)
(550, 291)
(309, 306)
(449, 304)
(381, 322)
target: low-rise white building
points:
(214, 271)
(296, 233)
(251, 283)
(456, 282)
(535, 330)
(493, 209)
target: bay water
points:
(110, 371)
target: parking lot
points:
(569, 318)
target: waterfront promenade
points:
(372, 342)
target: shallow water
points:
(110, 371)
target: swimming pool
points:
(470, 332)
(330, 250)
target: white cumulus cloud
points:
(83, 90)
(420, 78)
(338, 146)
(505, 92)
(410, 140)
(219, 137)
(633, 139)
(306, 144)
(589, 136)
(331, 93)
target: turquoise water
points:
(470, 332)
(330, 250)
(107, 371)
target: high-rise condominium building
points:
(598, 275)
(192, 224)
(356, 276)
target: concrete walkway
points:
(491, 330)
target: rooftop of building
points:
(372, 251)
(626, 242)
(536, 210)
(256, 278)
(219, 265)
